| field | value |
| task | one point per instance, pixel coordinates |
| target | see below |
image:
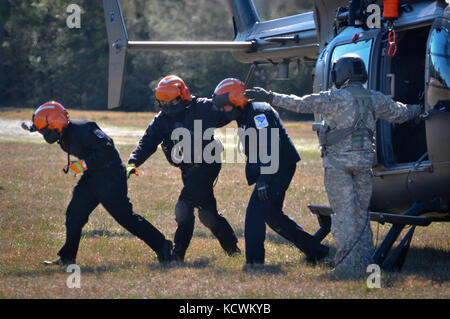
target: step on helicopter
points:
(411, 183)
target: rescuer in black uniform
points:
(104, 181)
(181, 111)
(271, 182)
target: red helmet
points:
(171, 87)
(51, 116)
(230, 92)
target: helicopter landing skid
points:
(411, 217)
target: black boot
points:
(59, 262)
(227, 240)
(320, 253)
(182, 239)
(165, 254)
(178, 255)
(221, 229)
(232, 250)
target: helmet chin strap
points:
(66, 169)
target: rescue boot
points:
(221, 229)
(165, 254)
(320, 253)
(182, 239)
(178, 255)
(59, 262)
(227, 241)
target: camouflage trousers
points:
(349, 192)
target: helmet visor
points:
(172, 102)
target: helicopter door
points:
(437, 91)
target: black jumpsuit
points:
(259, 117)
(198, 176)
(103, 183)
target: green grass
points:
(34, 193)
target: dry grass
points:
(34, 193)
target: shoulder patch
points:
(99, 133)
(261, 121)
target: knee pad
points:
(183, 212)
(208, 218)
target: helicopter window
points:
(361, 48)
(269, 10)
(438, 77)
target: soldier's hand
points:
(262, 191)
(259, 94)
(423, 115)
(78, 167)
(132, 169)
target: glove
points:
(131, 169)
(423, 116)
(78, 167)
(262, 191)
(259, 94)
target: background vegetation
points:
(42, 59)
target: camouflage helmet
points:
(348, 68)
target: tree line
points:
(42, 58)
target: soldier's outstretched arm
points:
(392, 111)
(323, 102)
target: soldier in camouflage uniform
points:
(349, 114)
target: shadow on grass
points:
(263, 270)
(271, 236)
(427, 263)
(105, 233)
(197, 264)
(42, 270)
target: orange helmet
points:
(230, 92)
(50, 119)
(51, 116)
(171, 87)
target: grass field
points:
(34, 193)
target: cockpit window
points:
(269, 10)
(361, 48)
(438, 77)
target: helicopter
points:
(406, 50)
